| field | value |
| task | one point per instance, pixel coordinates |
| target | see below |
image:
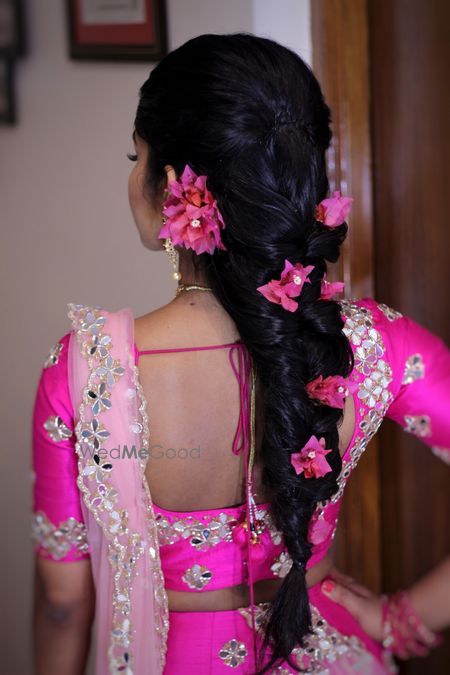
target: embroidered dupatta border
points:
(161, 599)
(95, 345)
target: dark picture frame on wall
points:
(12, 33)
(7, 102)
(130, 30)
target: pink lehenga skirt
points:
(209, 643)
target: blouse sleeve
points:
(420, 363)
(58, 530)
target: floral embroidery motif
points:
(59, 540)
(53, 357)
(281, 564)
(414, 369)
(91, 322)
(197, 576)
(323, 645)
(419, 425)
(99, 398)
(57, 429)
(233, 653)
(374, 389)
(442, 453)
(201, 536)
(260, 612)
(214, 530)
(93, 433)
(102, 498)
(370, 423)
(109, 371)
(389, 313)
(98, 346)
(275, 534)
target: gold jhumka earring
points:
(174, 258)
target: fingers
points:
(343, 596)
(340, 576)
(349, 582)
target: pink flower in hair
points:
(332, 390)
(333, 211)
(330, 288)
(311, 459)
(193, 219)
(281, 291)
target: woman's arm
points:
(64, 594)
(429, 596)
(420, 363)
(64, 605)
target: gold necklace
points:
(191, 287)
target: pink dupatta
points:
(131, 615)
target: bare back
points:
(193, 406)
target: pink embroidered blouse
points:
(402, 372)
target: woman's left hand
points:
(365, 606)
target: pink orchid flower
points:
(311, 459)
(193, 219)
(332, 390)
(281, 291)
(334, 210)
(328, 289)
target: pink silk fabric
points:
(83, 509)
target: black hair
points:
(249, 114)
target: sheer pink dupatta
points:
(131, 619)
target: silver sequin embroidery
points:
(281, 564)
(419, 425)
(373, 389)
(59, 540)
(88, 323)
(233, 653)
(93, 433)
(197, 576)
(57, 429)
(323, 646)
(414, 369)
(389, 313)
(204, 535)
(53, 357)
(99, 398)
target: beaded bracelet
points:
(404, 633)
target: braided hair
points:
(249, 114)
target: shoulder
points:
(52, 394)
(372, 324)
(55, 363)
(92, 323)
(379, 333)
(369, 310)
(57, 354)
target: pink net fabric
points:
(131, 602)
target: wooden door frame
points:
(340, 39)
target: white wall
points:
(64, 210)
